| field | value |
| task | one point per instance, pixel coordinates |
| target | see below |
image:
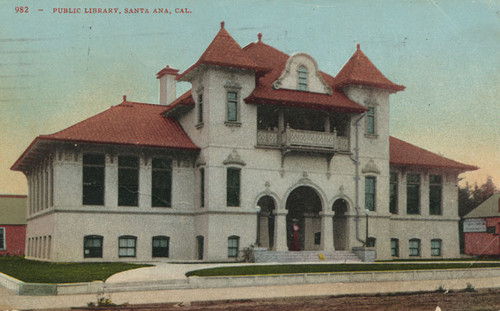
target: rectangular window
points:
(92, 246)
(202, 187)
(413, 194)
(2, 239)
(370, 121)
(126, 246)
(128, 181)
(393, 193)
(233, 187)
(200, 108)
(161, 183)
(233, 246)
(435, 192)
(232, 106)
(317, 238)
(435, 247)
(93, 179)
(414, 247)
(302, 73)
(370, 193)
(395, 247)
(160, 246)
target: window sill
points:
(371, 136)
(199, 125)
(161, 206)
(232, 123)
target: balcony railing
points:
(291, 138)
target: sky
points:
(57, 69)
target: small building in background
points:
(482, 228)
(12, 224)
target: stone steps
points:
(305, 256)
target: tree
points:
(471, 197)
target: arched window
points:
(161, 246)
(127, 246)
(414, 247)
(92, 246)
(436, 245)
(302, 78)
(233, 244)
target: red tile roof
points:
(182, 103)
(269, 57)
(405, 154)
(224, 51)
(360, 70)
(129, 123)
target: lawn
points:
(325, 268)
(44, 272)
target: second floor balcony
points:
(307, 130)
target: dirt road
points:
(462, 300)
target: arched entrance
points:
(265, 236)
(303, 205)
(340, 232)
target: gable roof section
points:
(405, 154)
(12, 209)
(129, 123)
(360, 70)
(223, 51)
(269, 57)
(489, 208)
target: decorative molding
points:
(315, 75)
(232, 84)
(234, 158)
(370, 167)
(305, 178)
(200, 161)
(267, 184)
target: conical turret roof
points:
(360, 70)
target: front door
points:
(302, 221)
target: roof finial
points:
(222, 24)
(357, 46)
(124, 98)
(259, 36)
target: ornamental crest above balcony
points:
(301, 73)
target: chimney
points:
(166, 78)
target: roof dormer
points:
(301, 74)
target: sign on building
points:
(475, 225)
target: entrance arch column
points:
(280, 230)
(327, 230)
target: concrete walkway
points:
(163, 271)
